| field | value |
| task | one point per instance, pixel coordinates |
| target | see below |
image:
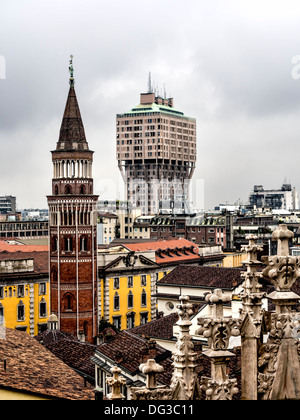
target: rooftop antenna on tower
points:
(149, 83)
(165, 93)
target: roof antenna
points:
(71, 71)
(149, 83)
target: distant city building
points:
(35, 214)
(8, 204)
(34, 229)
(284, 198)
(156, 153)
(106, 227)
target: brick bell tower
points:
(73, 227)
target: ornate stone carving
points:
(218, 331)
(116, 382)
(130, 259)
(279, 364)
(251, 315)
(151, 391)
(151, 369)
(185, 380)
(215, 390)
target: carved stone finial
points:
(151, 369)
(184, 380)
(185, 310)
(116, 381)
(217, 298)
(218, 330)
(282, 235)
(151, 391)
(282, 269)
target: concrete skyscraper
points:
(156, 153)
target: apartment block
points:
(156, 153)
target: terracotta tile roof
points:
(163, 245)
(130, 344)
(204, 276)
(71, 351)
(5, 246)
(32, 368)
(41, 263)
(168, 251)
(159, 328)
(124, 349)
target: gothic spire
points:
(72, 134)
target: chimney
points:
(152, 349)
(119, 357)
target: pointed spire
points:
(72, 134)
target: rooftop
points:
(31, 368)
(203, 276)
(70, 350)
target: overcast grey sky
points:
(228, 63)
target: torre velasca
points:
(156, 153)
(73, 228)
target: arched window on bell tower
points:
(68, 244)
(68, 302)
(68, 190)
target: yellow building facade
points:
(234, 259)
(24, 294)
(127, 288)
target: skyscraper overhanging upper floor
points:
(155, 131)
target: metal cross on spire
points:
(71, 71)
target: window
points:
(116, 302)
(1, 292)
(54, 275)
(69, 244)
(1, 314)
(68, 189)
(130, 300)
(43, 308)
(68, 302)
(83, 243)
(42, 288)
(144, 298)
(117, 322)
(144, 318)
(54, 244)
(116, 283)
(21, 290)
(144, 280)
(21, 311)
(130, 282)
(130, 320)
